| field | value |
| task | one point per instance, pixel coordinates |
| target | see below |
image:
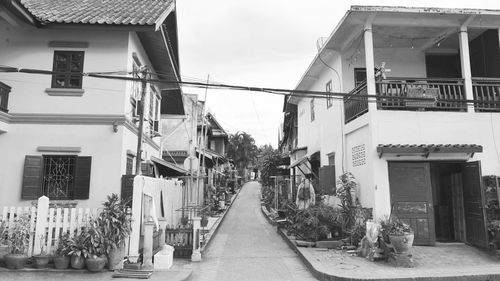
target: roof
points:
(426, 149)
(171, 169)
(121, 12)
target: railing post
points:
(196, 256)
(42, 211)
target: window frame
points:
(68, 76)
(328, 89)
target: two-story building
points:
(419, 131)
(64, 133)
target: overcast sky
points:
(262, 43)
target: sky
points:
(262, 43)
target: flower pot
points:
(41, 261)
(401, 243)
(15, 261)
(77, 262)
(61, 262)
(115, 258)
(95, 264)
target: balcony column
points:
(370, 65)
(465, 61)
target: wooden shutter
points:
(327, 179)
(127, 188)
(32, 177)
(82, 177)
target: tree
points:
(242, 150)
(268, 161)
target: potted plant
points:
(94, 242)
(61, 258)
(18, 239)
(116, 227)
(399, 234)
(77, 248)
(4, 248)
(42, 260)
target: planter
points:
(77, 262)
(41, 261)
(15, 261)
(95, 264)
(402, 243)
(115, 258)
(61, 262)
(4, 249)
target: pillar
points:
(196, 256)
(463, 39)
(370, 66)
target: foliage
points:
(242, 150)
(114, 222)
(3, 232)
(63, 247)
(494, 231)
(77, 244)
(393, 226)
(348, 204)
(94, 239)
(18, 237)
(315, 222)
(357, 233)
(43, 246)
(269, 160)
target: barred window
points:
(69, 65)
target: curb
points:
(219, 221)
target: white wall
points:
(28, 48)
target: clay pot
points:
(15, 261)
(77, 262)
(61, 262)
(115, 258)
(402, 243)
(95, 263)
(41, 261)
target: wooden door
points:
(475, 216)
(411, 198)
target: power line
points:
(276, 91)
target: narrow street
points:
(247, 247)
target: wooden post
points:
(135, 235)
(41, 222)
(196, 256)
(138, 159)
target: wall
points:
(177, 132)
(28, 48)
(413, 127)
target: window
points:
(328, 89)
(359, 76)
(312, 110)
(56, 176)
(69, 64)
(130, 165)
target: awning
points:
(299, 161)
(168, 169)
(305, 162)
(426, 149)
(210, 154)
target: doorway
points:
(442, 201)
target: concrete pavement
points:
(246, 247)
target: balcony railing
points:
(449, 94)
(4, 97)
(354, 105)
(486, 94)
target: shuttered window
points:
(327, 181)
(56, 176)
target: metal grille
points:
(59, 176)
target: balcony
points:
(449, 95)
(4, 97)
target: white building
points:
(421, 158)
(72, 137)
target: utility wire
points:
(276, 91)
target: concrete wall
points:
(177, 132)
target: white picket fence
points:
(48, 224)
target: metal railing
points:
(4, 97)
(355, 106)
(449, 94)
(486, 94)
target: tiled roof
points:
(428, 148)
(123, 12)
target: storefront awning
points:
(426, 149)
(168, 169)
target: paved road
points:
(247, 247)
